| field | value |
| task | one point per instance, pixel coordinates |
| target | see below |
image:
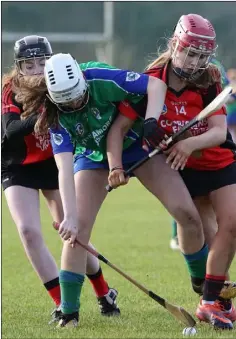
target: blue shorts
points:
(231, 118)
(231, 112)
(130, 156)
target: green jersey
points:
(88, 127)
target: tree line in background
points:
(139, 27)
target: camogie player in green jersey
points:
(80, 107)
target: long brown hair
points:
(34, 98)
(48, 118)
(210, 76)
(13, 78)
(30, 92)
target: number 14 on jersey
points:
(180, 110)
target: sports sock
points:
(198, 284)
(71, 284)
(196, 264)
(98, 282)
(212, 287)
(53, 288)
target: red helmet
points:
(193, 35)
(196, 32)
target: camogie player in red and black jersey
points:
(206, 159)
(28, 166)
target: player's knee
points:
(227, 226)
(85, 229)
(29, 235)
(189, 218)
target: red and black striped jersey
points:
(179, 109)
(20, 145)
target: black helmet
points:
(32, 46)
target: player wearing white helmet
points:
(25, 156)
(84, 96)
(66, 84)
(83, 108)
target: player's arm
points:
(12, 125)
(15, 128)
(217, 127)
(118, 85)
(63, 153)
(115, 138)
(156, 93)
(215, 135)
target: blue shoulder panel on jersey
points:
(60, 140)
(129, 81)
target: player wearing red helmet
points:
(210, 175)
(194, 44)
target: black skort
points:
(41, 175)
(201, 183)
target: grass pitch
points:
(133, 231)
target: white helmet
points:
(64, 79)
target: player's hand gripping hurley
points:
(214, 106)
(177, 311)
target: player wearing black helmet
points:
(28, 166)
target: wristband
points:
(115, 168)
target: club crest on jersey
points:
(79, 129)
(132, 76)
(57, 138)
(164, 109)
(96, 113)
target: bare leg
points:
(55, 206)
(208, 218)
(90, 194)
(223, 248)
(167, 185)
(24, 208)
(222, 252)
(54, 203)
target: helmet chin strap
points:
(85, 100)
(186, 76)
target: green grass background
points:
(133, 231)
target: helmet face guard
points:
(194, 45)
(35, 62)
(31, 47)
(188, 62)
